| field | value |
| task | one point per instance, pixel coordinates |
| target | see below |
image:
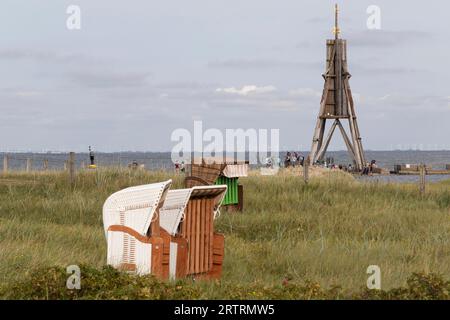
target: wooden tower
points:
(337, 104)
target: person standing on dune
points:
(91, 156)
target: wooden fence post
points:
(423, 172)
(306, 170)
(65, 165)
(72, 167)
(5, 164)
(45, 165)
(29, 165)
(240, 197)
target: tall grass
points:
(328, 231)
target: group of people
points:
(368, 168)
(293, 159)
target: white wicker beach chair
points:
(187, 216)
(131, 222)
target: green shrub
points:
(108, 283)
(105, 283)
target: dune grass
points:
(328, 231)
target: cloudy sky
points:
(137, 70)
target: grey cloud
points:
(316, 20)
(208, 99)
(305, 44)
(404, 104)
(426, 102)
(383, 70)
(261, 64)
(384, 38)
(181, 85)
(255, 105)
(47, 56)
(101, 79)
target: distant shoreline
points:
(168, 152)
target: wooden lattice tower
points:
(337, 103)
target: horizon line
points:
(281, 151)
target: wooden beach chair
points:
(219, 171)
(203, 173)
(187, 217)
(131, 222)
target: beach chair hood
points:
(134, 207)
(176, 200)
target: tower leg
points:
(356, 146)
(354, 131)
(325, 144)
(317, 140)
(347, 141)
(358, 138)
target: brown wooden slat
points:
(157, 257)
(218, 258)
(205, 204)
(201, 232)
(211, 232)
(218, 245)
(190, 239)
(192, 235)
(216, 269)
(186, 226)
(206, 234)
(182, 257)
(197, 236)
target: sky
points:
(138, 70)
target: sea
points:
(163, 161)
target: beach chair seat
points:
(187, 218)
(131, 222)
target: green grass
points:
(327, 232)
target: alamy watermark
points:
(74, 280)
(374, 19)
(73, 22)
(257, 146)
(374, 280)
